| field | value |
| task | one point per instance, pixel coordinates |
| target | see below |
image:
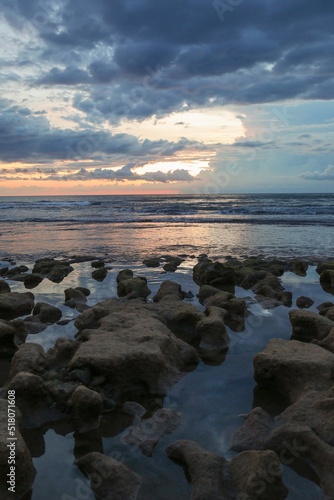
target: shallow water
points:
(210, 399)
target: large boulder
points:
(109, 479)
(141, 355)
(87, 407)
(212, 330)
(28, 387)
(4, 287)
(291, 367)
(7, 339)
(207, 291)
(327, 342)
(13, 305)
(29, 358)
(169, 290)
(207, 272)
(133, 288)
(308, 325)
(22, 467)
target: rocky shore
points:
(129, 351)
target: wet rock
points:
(83, 290)
(7, 339)
(169, 290)
(152, 262)
(75, 298)
(13, 305)
(3, 271)
(24, 468)
(308, 325)
(96, 264)
(304, 302)
(285, 298)
(172, 265)
(61, 392)
(109, 479)
(140, 355)
(4, 287)
(291, 367)
(206, 272)
(327, 265)
(206, 291)
(330, 314)
(327, 280)
(59, 272)
(29, 358)
(327, 342)
(47, 313)
(257, 475)
(146, 434)
(212, 330)
(323, 308)
(125, 274)
(28, 387)
(219, 299)
(133, 288)
(267, 285)
(32, 280)
(54, 270)
(14, 271)
(299, 267)
(75, 259)
(253, 433)
(62, 352)
(100, 274)
(87, 407)
(84, 375)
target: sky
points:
(166, 96)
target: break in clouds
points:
(98, 64)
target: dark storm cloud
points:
(27, 136)
(140, 58)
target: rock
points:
(308, 325)
(33, 325)
(253, 475)
(3, 271)
(253, 432)
(59, 272)
(54, 270)
(304, 302)
(327, 342)
(323, 308)
(327, 280)
(219, 299)
(62, 352)
(75, 259)
(299, 267)
(206, 272)
(172, 265)
(13, 305)
(325, 266)
(32, 280)
(207, 291)
(24, 468)
(109, 479)
(29, 358)
(146, 434)
(96, 264)
(7, 339)
(270, 282)
(257, 475)
(61, 392)
(27, 387)
(133, 288)
(140, 355)
(169, 290)
(87, 407)
(207, 471)
(83, 290)
(4, 287)
(291, 367)
(75, 298)
(47, 313)
(212, 329)
(285, 298)
(100, 274)
(152, 262)
(330, 314)
(125, 274)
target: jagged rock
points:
(109, 479)
(299, 267)
(29, 358)
(212, 330)
(47, 313)
(169, 290)
(133, 288)
(141, 354)
(146, 434)
(13, 305)
(100, 274)
(152, 262)
(291, 367)
(304, 302)
(4, 287)
(87, 407)
(253, 433)
(24, 468)
(308, 325)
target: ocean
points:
(133, 227)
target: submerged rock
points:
(109, 479)
(13, 305)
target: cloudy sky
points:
(166, 96)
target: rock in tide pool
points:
(47, 313)
(13, 305)
(100, 274)
(87, 408)
(28, 358)
(4, 287)
(292, 367)
(24, 468)
(109, 479)
(169, 290)
(133, 288)
(152, 262)
(7, 339)
(327, 280)
(304, 302)
(308, 325)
